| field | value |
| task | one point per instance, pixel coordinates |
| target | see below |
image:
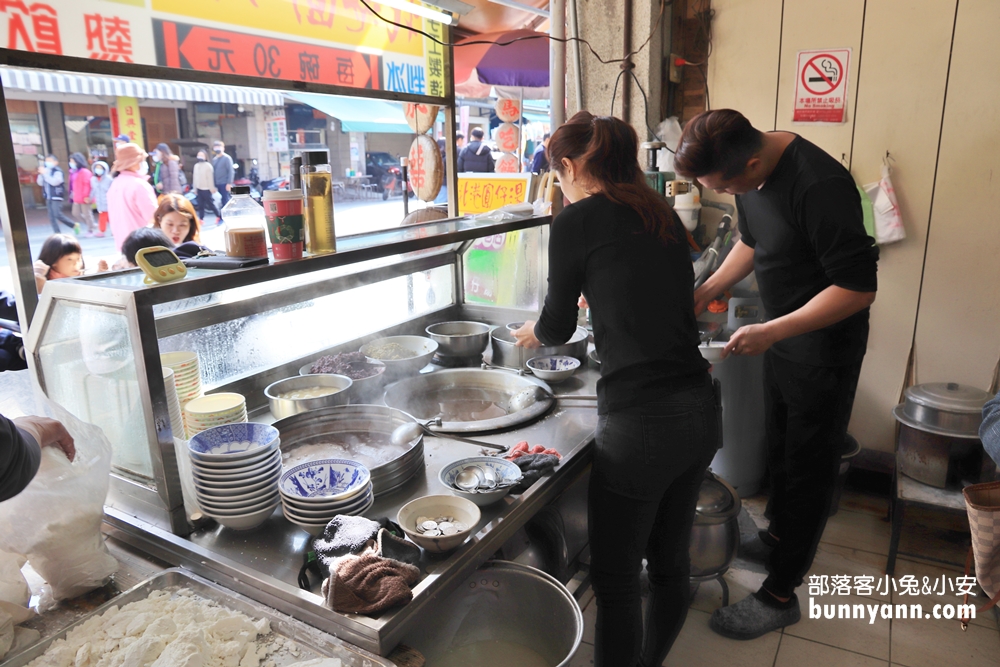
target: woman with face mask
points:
(80, 192)
(131, 199)
(99, 185)
(166, 173)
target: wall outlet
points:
(674, 188)
(675, 69)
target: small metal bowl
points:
(460, 339)
(286, 407)
(553, 369)
(423, 350)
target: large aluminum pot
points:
(306, 436)
(715, 536)
(506, 353)
(506, 607)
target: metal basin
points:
(460, 339)
(286, 407)
(504, 613)
(322, 434)
(506, 353)
(469, 400)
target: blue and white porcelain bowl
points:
(324, 481)
(316, 514)
(232, 442)
(553, 369)
(507, 473)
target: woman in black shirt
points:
(624, 249)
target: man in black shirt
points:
(802, 233)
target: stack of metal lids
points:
(943, 408)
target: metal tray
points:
(312, 643)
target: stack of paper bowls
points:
(314, 492)
(173, 405)
(206, 412)
(187, 374)
(236, 469)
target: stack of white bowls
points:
(314, 492)
(187, 374)
(236, 468)
(212, 410)
(173, 404)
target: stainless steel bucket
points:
(506, 353)
(502, 608)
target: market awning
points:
(143, 89)
(357, 114)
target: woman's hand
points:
(582, 302)
(525, 336)
(102, 266)
(751, 340)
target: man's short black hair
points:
(720, 141)
(144, 237)
(477, 133)
(459, 135)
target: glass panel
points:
(258, 342)
(88, 366)
(505, 270)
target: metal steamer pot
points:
(939, 434)
(715, 535)
(506, 353)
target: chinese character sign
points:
(434, 58)
(276, 131)
(478, 194)
(425, 168)
(129, 121)
(821, 86)
(508, 138)
(508, 110)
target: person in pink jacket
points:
(131, 199)
(79, 191)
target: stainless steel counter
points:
(264, 564)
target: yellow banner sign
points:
(344, 22)
(479, 193)
(129, 121)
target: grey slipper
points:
(751, 618)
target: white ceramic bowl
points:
(504, 469)
(220, 493)
(259, 470)
(233, 442)
(423, 350)
(316, 528)
(249, 497)
(315, 513)
(324, 481)
(245, 521)
(240, 507)
(243, 485)
(221, 467)
(179, 360)
(553, 369)
(461, 509)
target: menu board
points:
(335, 42)
(479, 193)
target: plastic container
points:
(246, 230)
(688, 208)
(283, 212)
(317, 203)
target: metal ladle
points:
(469, 478)
(406, 433)
(528, 397)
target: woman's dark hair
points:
(608, 151)
(81, 162)
(144, 237)
(176, 203)
(718, 141)
(164, 149)
(58, 246)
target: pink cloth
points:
(80, 179)
(131, 204)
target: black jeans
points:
(204, 202)
(807, 411)
(56, 215)
(649, 462)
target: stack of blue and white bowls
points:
(236, 469)
(314, 492)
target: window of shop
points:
(26, 135)
(88, 129)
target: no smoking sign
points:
(821, 86)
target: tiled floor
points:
(856, 542)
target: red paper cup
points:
(283, 210)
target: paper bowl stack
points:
(236, 468)
(314, 492)
(213, 410)
(173, 405)
(187, 374)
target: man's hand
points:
(229, 187)
(48, 433)
(582, 302)
(525, 336)
(702, 297)
(750, 340)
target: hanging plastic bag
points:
(56, 521)
(868, 211)
(888, 220)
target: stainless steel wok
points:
(470, 400)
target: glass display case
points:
(96, 340)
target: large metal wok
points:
(469, 400)
(317, 434)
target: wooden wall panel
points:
(902, 53)
(743, 69)
(819, 24)
(958, 325)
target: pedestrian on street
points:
(203, 179)
(802, 234)
(131, 199)
(53, 183)
(225, 174)
(99, 186)
(166, 176)
(80, 186)
(476, 157)
(540, 160)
